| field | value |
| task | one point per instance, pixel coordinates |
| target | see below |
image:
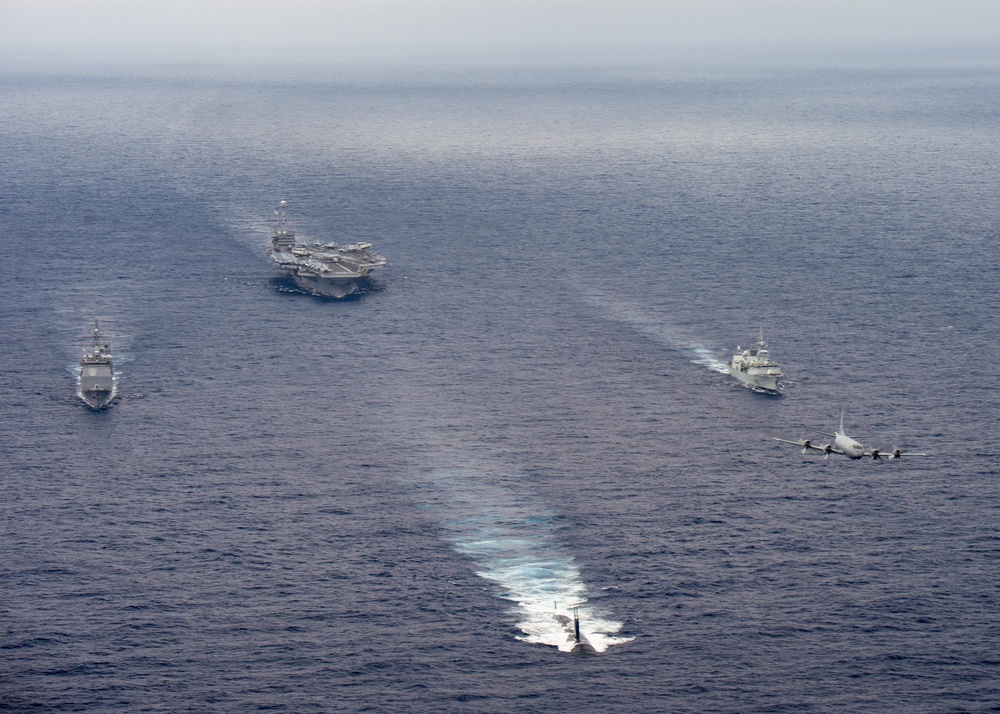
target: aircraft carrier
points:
(322, 269)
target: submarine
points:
(581, 644)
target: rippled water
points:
(393, 503)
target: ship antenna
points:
(282, 207)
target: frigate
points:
(96, 382)
(322, 269)
(755, 368)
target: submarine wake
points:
(514, 544)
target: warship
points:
(322, 269)
(97, 383)
(755, 368)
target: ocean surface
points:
(387, 503)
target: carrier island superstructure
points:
(322, 269)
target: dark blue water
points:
(377, 504)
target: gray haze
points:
(307, 29)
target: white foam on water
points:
(514, 544)
(653, 327)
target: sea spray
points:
(513, 541)
(653, 327)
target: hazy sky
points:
(377, 27)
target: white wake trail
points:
(514, 544)
(650, 326)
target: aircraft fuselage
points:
(851, 448)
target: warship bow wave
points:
(96, 385)
(323, 269)
(755, 368)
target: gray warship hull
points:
(96, 380)
(97, 385)
(328, 286)
(755, 368)
(763, 382)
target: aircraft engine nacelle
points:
(896, 454)
(805, 446)
(827, 450)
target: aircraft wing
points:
(877, 455)
(806, 445)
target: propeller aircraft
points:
(847, 446)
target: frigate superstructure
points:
(322, 269)
(755, 368)
(96, 385)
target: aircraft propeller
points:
(894, 454)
